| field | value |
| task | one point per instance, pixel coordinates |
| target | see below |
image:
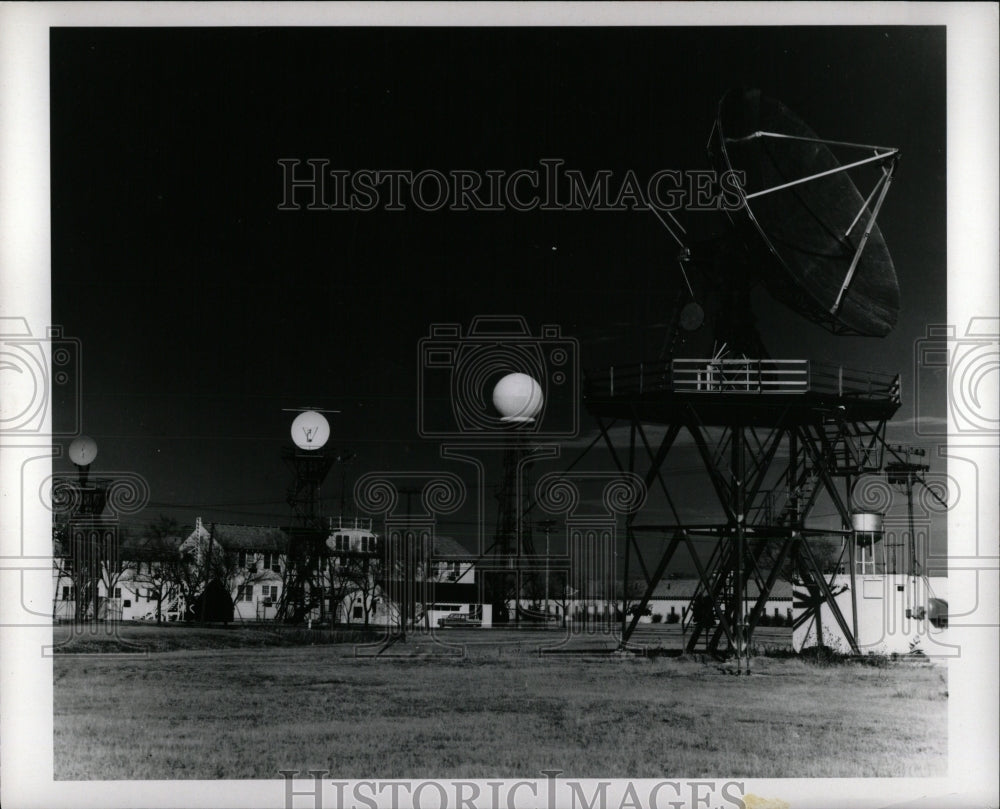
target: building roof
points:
(249, 537)
(446, 546)
(670, 589)
(149, 549)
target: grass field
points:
(498, 712)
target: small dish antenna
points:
(310, 430)
(83, 450)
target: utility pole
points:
(904, 473)
(546, 526)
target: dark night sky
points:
(203, 309)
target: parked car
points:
(458, 619)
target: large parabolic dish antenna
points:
(827, 258)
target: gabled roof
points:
(134, 549)
(235, 537)
(446, 546)
(149, 549)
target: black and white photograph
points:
(543, 404)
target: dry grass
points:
(134, 638)
(250, 713)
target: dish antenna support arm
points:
(882, 155)
(885, 181)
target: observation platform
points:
(721, 392)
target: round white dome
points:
(310, 430)
(83, 450)
(517, 397)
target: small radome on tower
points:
(83, 450)
(310, 430)
(518, 398)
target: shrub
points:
(673, 618)
(657, 617)
(764, 620)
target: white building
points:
(896, 613)
(671, 601)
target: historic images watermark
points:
(38, 369)
(495, 399)
(964, 359)
(313, 185)
(969, 364)
(316, 790)
(457, 369)
(68, 569)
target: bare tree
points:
(560, 591)
(362, 574)
(157, 567)
(633, 593)
(201, 560)
(337, 583)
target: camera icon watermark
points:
(970, 364)
(35, 372)
(458, 373)
(94, 580)
(904, 589)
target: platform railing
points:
(765, 376)
(829, 378)
(741, 376)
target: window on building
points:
(244, 592)
(271, 561)
(67, 594)
(358, 612)
(118, 592)
(673, 610)
(127, 603)
(241, 559)
(775, 612)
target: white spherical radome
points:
(518, 398)
(310, 430)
